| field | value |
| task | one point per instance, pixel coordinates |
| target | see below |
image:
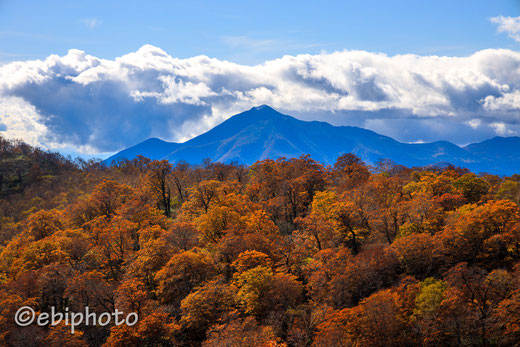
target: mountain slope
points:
(152, 148)
(498, 155)
(262, 133)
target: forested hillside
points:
(281, 253)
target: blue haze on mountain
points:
(262, 133)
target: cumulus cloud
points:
(501, 128)
(20, 120)
(505, 102)
(509, 25)
(99, 105)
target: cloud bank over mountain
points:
(97, 105)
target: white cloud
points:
(509, 25)
(506, 102)
(91, 23)
(20, 121)
(501, 128)
(474, 123)
(95, 104)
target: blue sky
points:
(250, 32)
(94, 77)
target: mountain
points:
(262, 133)
(152, 148)
(498, 155)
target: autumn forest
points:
(286, 252)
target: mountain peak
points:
(263, 108)
(260, 113)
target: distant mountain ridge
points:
(262, 133)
